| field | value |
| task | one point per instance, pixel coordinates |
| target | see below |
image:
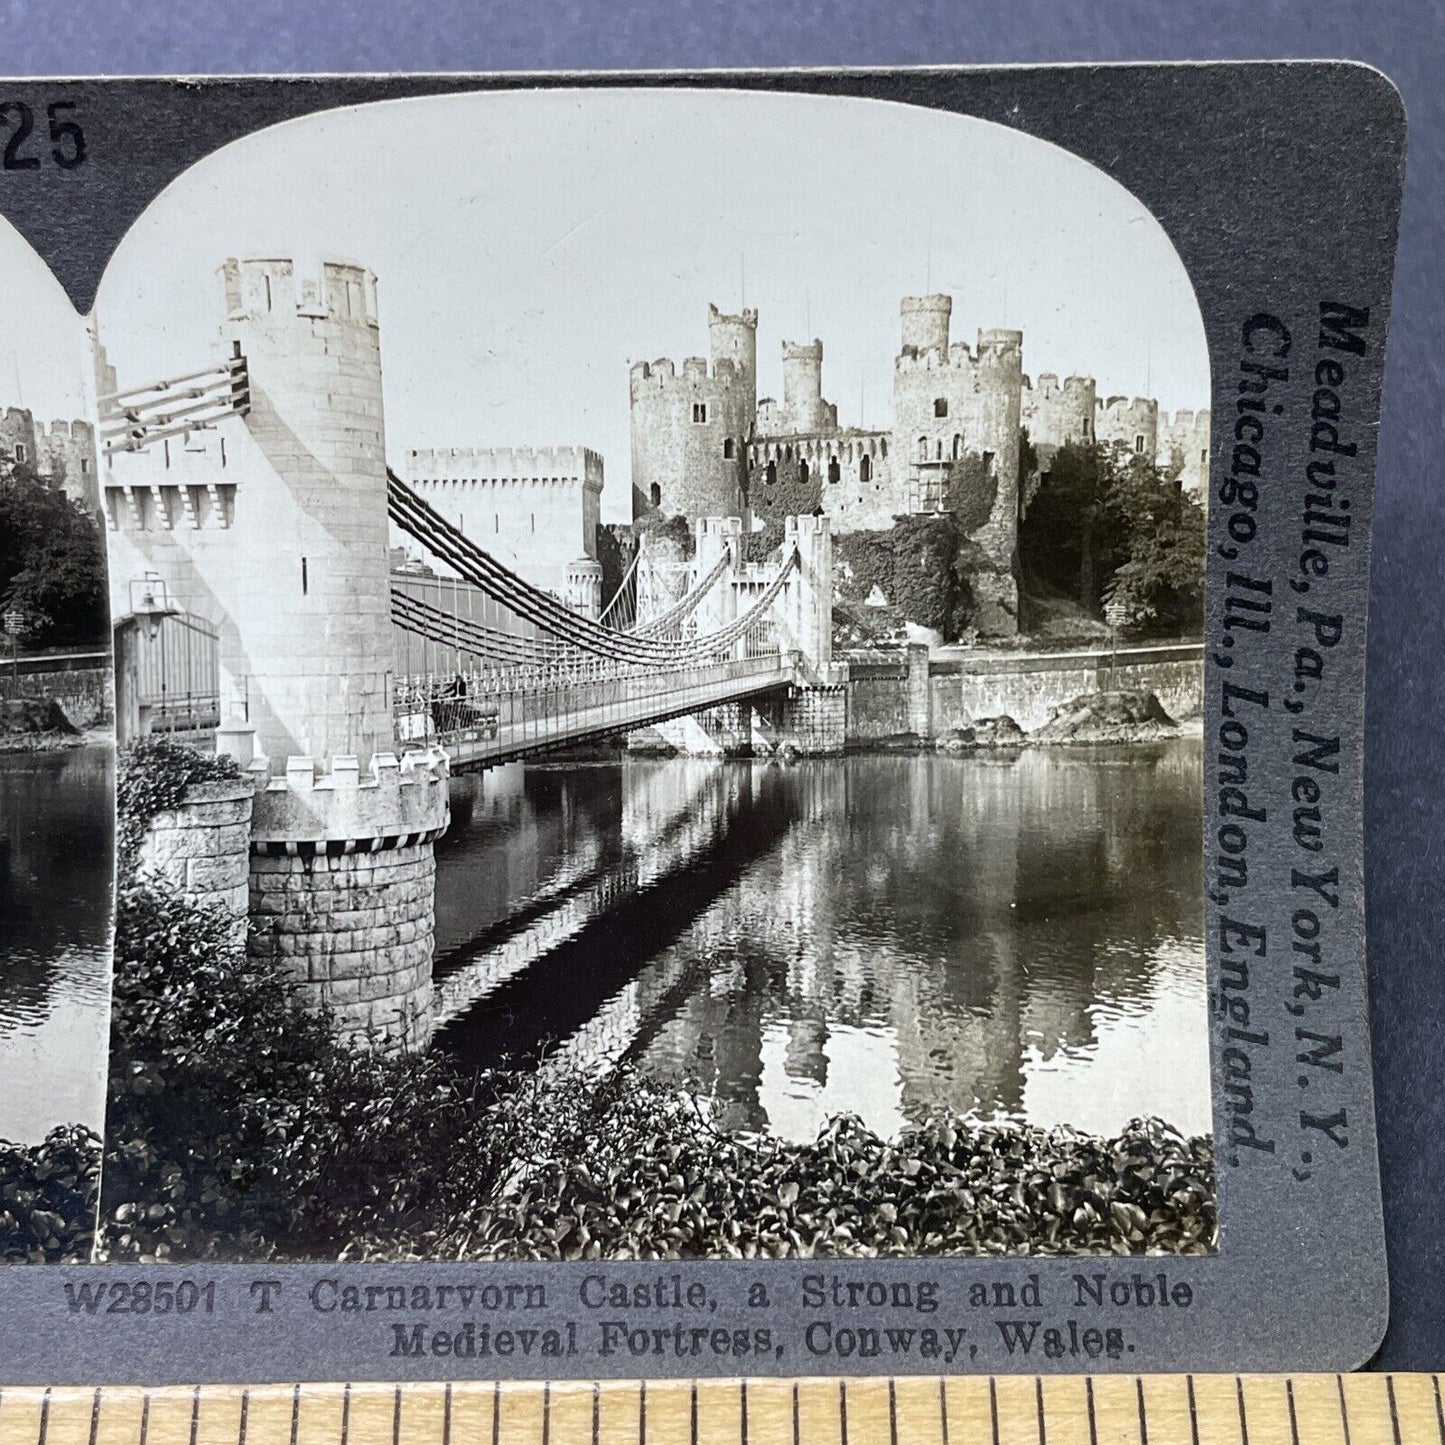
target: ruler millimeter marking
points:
(905, 1410)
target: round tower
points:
(341, 867)
(735, 339)
(803, 386)
(317, 636)
(925, 323)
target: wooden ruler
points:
(1367, 1409)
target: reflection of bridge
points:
(253, 498)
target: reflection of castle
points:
(61, 453)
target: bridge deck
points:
(540, 720)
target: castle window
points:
(84, 465)
(655, 492)
(922, 449)
(834, 470)
(20, 453)
(1087, 425)
(865, 468)
(1204, 457)
(938, 450)
(771, 475)
(957, 445)
(728, 447)
(803, 473)
(699, 411)
(940, 406)
(1139, 442)
(305, 579)
(883, 446)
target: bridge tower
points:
(342, 873)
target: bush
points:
(48, 1198)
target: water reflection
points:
(1016, 936)
(55, 918)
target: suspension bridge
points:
(675, 640)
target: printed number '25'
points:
(67, 139)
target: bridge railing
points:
(522, 709)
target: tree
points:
(1111, 525)
(1160, 582)
(52, 561)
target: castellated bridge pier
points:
(250, 507)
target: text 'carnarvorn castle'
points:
(705, 444)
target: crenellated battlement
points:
(394, 801)
(1048, 387)
(1141, 407)
(660, 377)
(995, 352)
(258, 288)
(803, 351)
(477, 465)
(1185, 420)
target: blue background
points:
(1405, 745)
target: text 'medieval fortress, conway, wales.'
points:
(705, 444)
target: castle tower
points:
(322, 636)
(957, 412)
(690, 429)
(803, 402)
(272, 530)
(925, 323)
(735, 339)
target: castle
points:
(536, 509)
(62, 453)
(705, 444)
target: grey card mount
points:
(837, 853)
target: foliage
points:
(1161, 582)
(48, 1197)
(647, 1177)
(970, 490)
(788, 496)
(674, 532)
(153, 778)
(919, 566)
(1107, 524)
(52, 561)
(615, 551)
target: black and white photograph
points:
(56, 773)
(659, 652)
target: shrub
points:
(48, 1197)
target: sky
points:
(530, 245)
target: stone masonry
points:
(201, 850)
(354, 930)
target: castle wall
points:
(1184, 444)
(848, 474)
(1128, 423)
(67, 460)
(536, 509)
(1058, 413)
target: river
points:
(55, 923)
(1013, 936)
